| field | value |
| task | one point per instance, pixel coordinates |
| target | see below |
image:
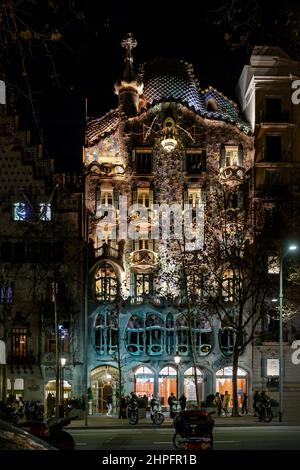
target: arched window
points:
(182, 335)
(229, 285)
(144, 381)
(154, 334)
(226, 338)
(170, 336)
(202, 332)
(135, 335)
(106, 283)
(106, 333)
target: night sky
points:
(91, 60)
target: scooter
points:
(156, 413)
(193, 430)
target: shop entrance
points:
(189, 385)
(167, 384)
(144, 382)
(104, 382)
(224, 382)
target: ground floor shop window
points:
(224, 382)
(167, 384)
(144, 382)
(189, 385)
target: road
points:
(225, 438)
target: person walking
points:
(171, 401)
(218, 403)
(256, 399)
(244, 404)
(225, 403)
(182, 402)
(109, 405)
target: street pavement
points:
(104, 421)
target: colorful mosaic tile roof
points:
(170, 79)
(100, 127)
(173, 80)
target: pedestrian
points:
(225, 403)
(182, 402)
(109, 402)
(171, 401)
(256, 399)
(218, 403)
(244, 404)
(123, 408)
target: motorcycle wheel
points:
(268, 416)
(177, 442)
(158, 418)
(133, 418)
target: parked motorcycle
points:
(156, 413)
(133, 412)
(193, 430)
(265, 411)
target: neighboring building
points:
(40, 250)
(265, 91)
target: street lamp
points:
(177, 360)
(63, 361)
(291, 248)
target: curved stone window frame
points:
(154, 331)
(170, 337)
(226, 338)
(200, 328)
(106, 283)
(135, 334)
(106, 333)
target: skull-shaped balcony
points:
(232, 175)
(143, 261)
(106, 252)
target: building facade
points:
(40, 268)
(135, 262)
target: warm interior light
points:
(177, 359)
(169, 144)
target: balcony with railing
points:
(232, 175)
(21, 360)
(108, 252)
(143, 260)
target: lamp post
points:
(63, 361)
(177, 360)
(290, 249)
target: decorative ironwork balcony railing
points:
(147, 298)
(232, 175)
(143, 260)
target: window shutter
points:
(263, 367)
(241, 155)
(222, 161)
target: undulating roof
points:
(100, 127)
(173, 80)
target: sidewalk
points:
(102, 421)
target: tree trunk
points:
(235, 363)
(194, 357)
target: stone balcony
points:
(143, 261)
(232, 175)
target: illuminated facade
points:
(168, 142)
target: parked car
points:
(52, 432)
(14, 438)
